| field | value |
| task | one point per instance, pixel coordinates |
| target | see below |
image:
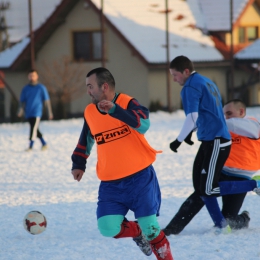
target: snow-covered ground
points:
(41, 180)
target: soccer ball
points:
(34, 222)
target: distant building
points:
(68, 36)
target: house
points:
(130, 40)
(245, 31)
(249, 60)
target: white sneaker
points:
(257, 180)
(257, 191)
(44, 147)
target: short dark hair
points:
(32, 70)
(103, 75)
(238, 102)
(180, 63)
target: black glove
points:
(188, 139)
(175, 145)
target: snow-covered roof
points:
(250, 52)
(143, 24)
(216, 13)
(8, 56)
(17, 16)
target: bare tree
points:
(65, 82)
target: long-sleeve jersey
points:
(201, 95)
(134, 115)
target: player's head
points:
(180, 69)
(234, 108)
(100, 84)
(33, 76)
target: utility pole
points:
(102, 21)
(169, 104)
(231, 87)
(4, 37)
(31, 35)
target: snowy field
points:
(41, 180)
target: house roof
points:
(141, 23)
(8, 56)
(42, 31)
(212, 15)
(252, 52)
(17, 16)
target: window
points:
(241, 34)
(247, 34)
(258, 96)
(87, 46)
(252, 33)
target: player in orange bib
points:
(236, 176)
(117, 123)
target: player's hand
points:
(105, 105)
(50, 116)
(175, 145)
(188, 139)
(77, 174)
(20, 112)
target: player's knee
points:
(150, 226)
(110, 226)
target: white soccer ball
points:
(34, 222)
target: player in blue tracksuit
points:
(32, 97)
(203, 108)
